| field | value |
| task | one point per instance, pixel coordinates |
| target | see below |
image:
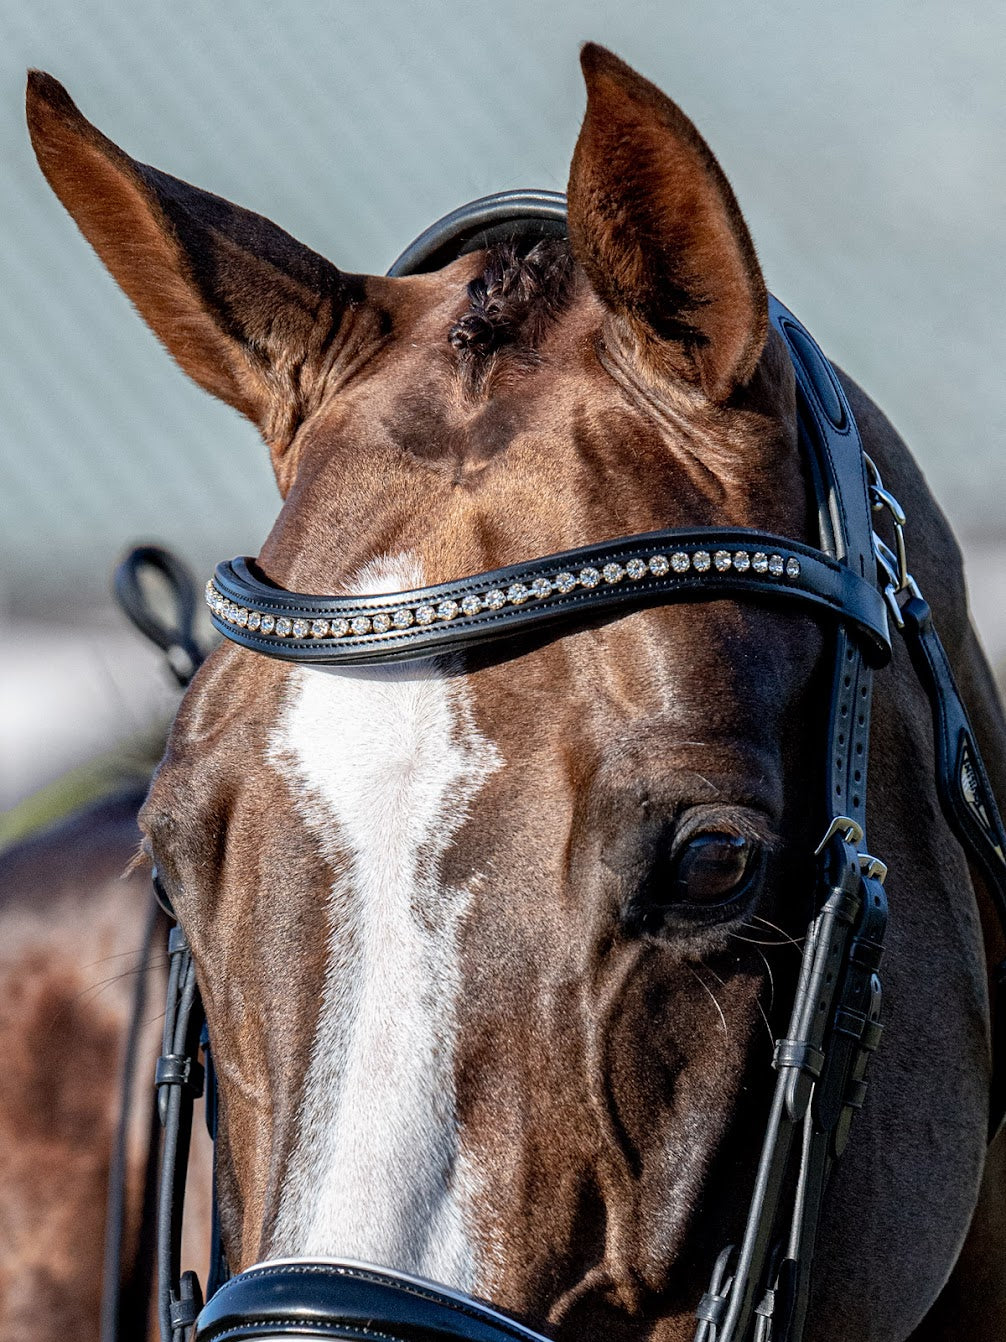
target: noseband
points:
(855, 584)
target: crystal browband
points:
(638, 570)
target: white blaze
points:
(384, 763)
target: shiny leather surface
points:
(823, 585)
(830, 429)
(480, 223)
(348, 1300)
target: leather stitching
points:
(346, 1330)
(488, 1317)
(519, 618)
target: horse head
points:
(491, 945)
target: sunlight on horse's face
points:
(475, 936)
(481, 940)
(463, 992)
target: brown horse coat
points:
(453, 1032)
(72, 930)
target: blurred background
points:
(865, 143)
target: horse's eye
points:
(712, 868)
(160, 894)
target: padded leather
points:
(962, 782)
(308, 1299)
(968, 803)
(824, 585)
(480, 223)
(832, 432)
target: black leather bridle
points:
(856, 584)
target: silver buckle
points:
(894, 563)
(850, 830)
(873, 868)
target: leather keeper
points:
(800, 1055)
(177, 940)
(175, 1069)
(850, 1023)
(843, 906)
(866, 954)
(872, 1033)
(711, 1308)
(857, 1094)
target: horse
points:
(81, 971)
(494, 945)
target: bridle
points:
(857, 586)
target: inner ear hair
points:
(656, 226)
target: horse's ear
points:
(245, 309)
(654, 223)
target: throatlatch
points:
(760, 1290)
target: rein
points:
(759, 1291)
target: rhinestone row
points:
(383, 622)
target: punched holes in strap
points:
(849, 730)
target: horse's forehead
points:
(412, 397)
(404, 483)
(553, 453)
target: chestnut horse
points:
(493, 947)
(75, 939)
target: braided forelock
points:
(520, 291)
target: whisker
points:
(753, 941)
(768, 1027)
(712, 998)
(771, 980)
(94, 989)
(119, 955)
(774, 927)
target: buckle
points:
(893, 563)
(850, 830)
(892, 595)
(872, 868)
(852, 833)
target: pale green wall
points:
(865, 141)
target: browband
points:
(655, 567)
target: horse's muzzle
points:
(306, 1298)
